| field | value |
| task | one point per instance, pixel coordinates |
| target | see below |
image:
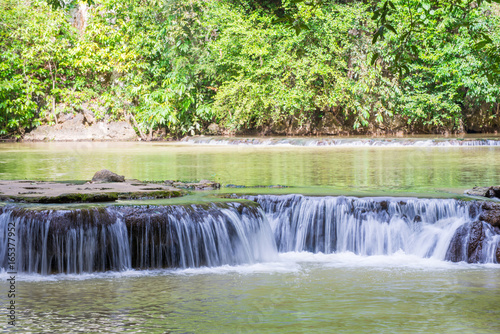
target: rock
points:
(456, 249)
(468, 242)
(75, 120)
(63, 117)
(88, 115)
(83, 127)
(214, 129)
(491, 213)
(50, 192)
(202, 185)
(105, 175)
(475, 242)
(490, 192)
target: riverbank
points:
(81, 127)
(85, 126)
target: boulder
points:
(490, 192)
(491, 213)
(468, 243)
(457, 249)
(476, 241)
(105, 175)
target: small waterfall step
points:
(181, 236)
(444, 229)
(140, 237)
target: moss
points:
(152, 194)
(93, 197)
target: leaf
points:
(481, 44)
(391, 28)
(378, 34)
(490, 78)
(376, 14)
(375, 56)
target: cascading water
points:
(69, 241)
(437, 228)
(194, 236)
(118, 238)
(182, 236)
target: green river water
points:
(300, 292)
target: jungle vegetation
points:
(276, 66)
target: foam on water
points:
(287, 263)
(344, 142)
(279, 234)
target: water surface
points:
(302, 293)
(336, 170)
(298, 293)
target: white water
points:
(234, 237)
(344, 142)
(143, 237)
(373, 226)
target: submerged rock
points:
(104, 176)
(202, 185)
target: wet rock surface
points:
(476, 240)
(490, 213)
(489, 192)
(470, 243)
(202, 185)
(58, 192)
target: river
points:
(296, 290)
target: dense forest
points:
(182, 67)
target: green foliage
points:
(446, 74)
(265, 65)
(270, 75)
(32, 57)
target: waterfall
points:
(141, 237)
(443, 229)
(194, 236)
(183, 236)
(66, 241)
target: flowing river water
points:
(336, 263)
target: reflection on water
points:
(351, 169)
(339, 293)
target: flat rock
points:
(202, 185)
(55, 192)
